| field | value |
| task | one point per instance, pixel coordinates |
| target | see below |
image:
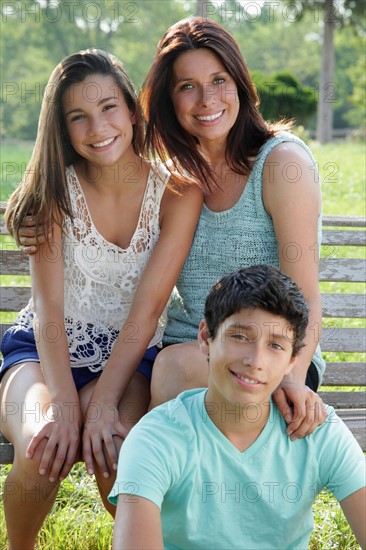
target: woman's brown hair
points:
(43, 190)
(166, 137)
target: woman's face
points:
(204, 96)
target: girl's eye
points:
(76, 118)
(109, 107)
(219, 80)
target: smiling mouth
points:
(246, 380)
(104, 143)
(209, 118)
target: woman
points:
(262, 201)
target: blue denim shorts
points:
(19, 346)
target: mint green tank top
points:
(224, 242)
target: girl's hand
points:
(102, 422)
(62, 432)
(308, 408)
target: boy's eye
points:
(240, 337)
(274, 345)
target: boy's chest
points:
(226, 501)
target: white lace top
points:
(101, 278)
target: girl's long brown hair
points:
(166, 137)
(43, 190)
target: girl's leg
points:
(132, 407)
(28, 496)
(177, 368)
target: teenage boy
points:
(214, 467)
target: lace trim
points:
(100, 278)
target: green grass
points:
(342, 175)
(78, 520)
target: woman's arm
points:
(31, 236)
(291, 194)
(64, 419)
(178, 220)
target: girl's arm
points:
(178, 219)
(63, 416)
(291, 194)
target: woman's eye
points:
(186, 87)
(109, 107)
(219, 80)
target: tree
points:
(282, 96)
(37, 34)
(336, 13)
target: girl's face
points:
(204, 96)
(98, 120)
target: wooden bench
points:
(338, 232)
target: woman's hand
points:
(30, 236)
(102, 422)
(307, 411)
(62, 432)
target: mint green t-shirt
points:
(212, 495)
(226, 241)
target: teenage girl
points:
(78, 360)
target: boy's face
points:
(249, 356)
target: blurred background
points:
(306, 56)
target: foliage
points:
(335, 13)
(344, 12)
(37, 34)
(282, 96)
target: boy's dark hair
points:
(261, 287)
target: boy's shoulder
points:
(180, 412)
(181, 408)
